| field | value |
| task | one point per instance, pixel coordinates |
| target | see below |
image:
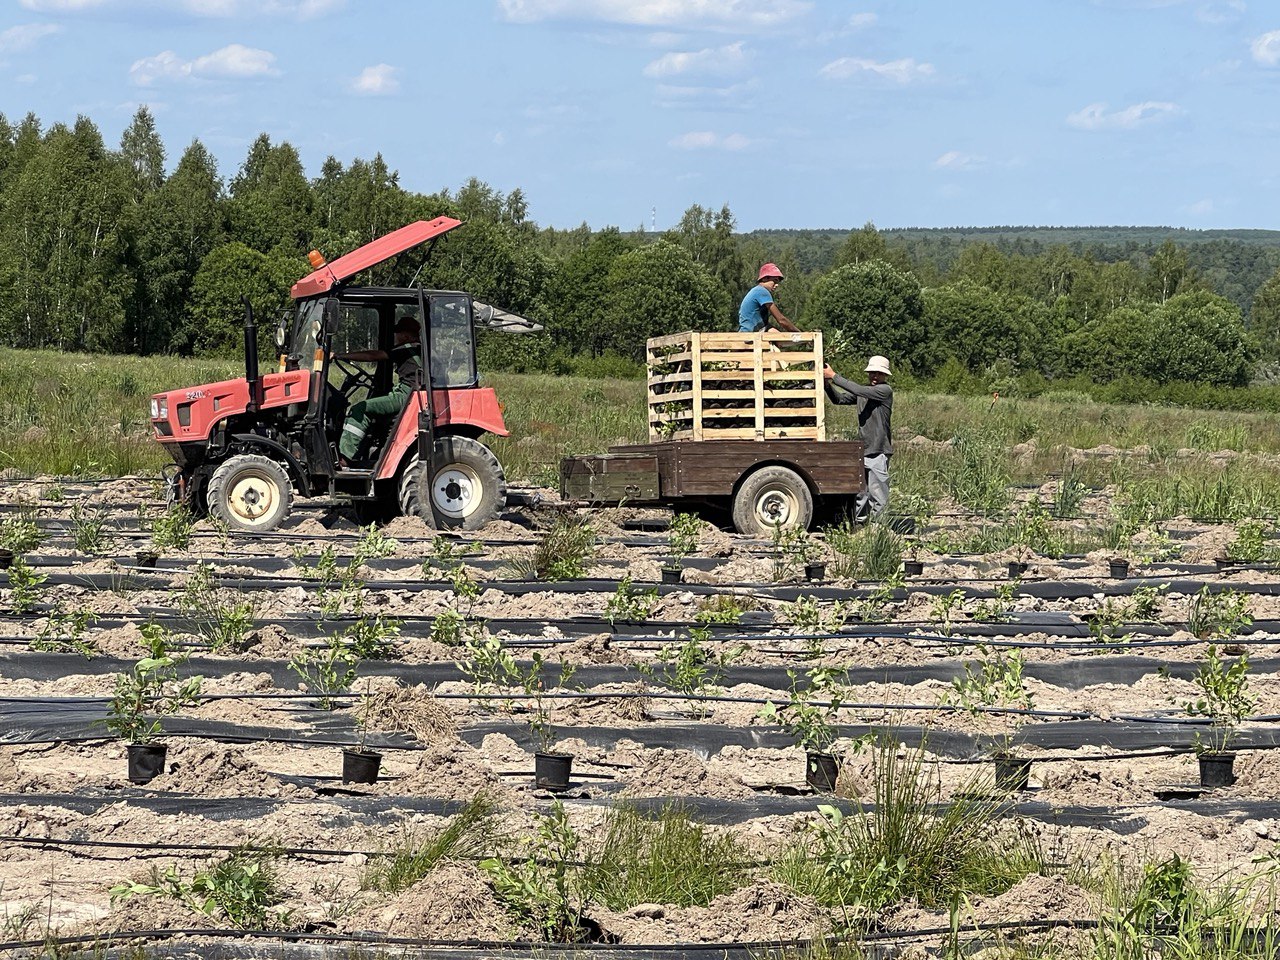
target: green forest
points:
(121, 250)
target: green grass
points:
(672, 859)
(469, 833)
(83, 415)
(909, 845)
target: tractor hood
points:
(396, 242)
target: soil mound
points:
(660, 772)
(452, 902)
(452, 771)
(214, 770)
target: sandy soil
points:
(287, 790)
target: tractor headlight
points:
(160, 409)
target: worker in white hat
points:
(875, 407)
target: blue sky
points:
(796, 113)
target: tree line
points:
(109, 250)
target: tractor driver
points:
(408, 360)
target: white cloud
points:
(898, 71)
(25, 36)
(706, 140)
(296, 9)
(1096, 117)
(61, 6)
(376, 81)
(1266, 48)
(679, 14)
(1202, 207)
(955, 160)
(860, 21)
(235, 61)
(1219, 12)
(711, 60)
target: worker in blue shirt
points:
(758, 310)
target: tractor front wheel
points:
(467, 490)
(250, 493)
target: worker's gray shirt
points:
(875, 405)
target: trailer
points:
(736, 423)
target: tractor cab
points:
(243, 447)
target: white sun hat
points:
(878, 364)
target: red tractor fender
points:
(469, 411)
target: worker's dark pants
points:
(358, 417)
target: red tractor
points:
(243, 447)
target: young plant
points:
(223, 623)
(997, 684)
(533, 680)
(811, 724)
(25, 591)
(684, 534)
(944, 608)
(630, 604)
(544, 888)
(170, 530)
(1223, 699)
(995, 610)
(63, 632)
(793, 548)
(328, 671)
(240, 888)
(1218, 616)
(1250, 544)
(690, 668)
(19, 531)
(724, 609)
(151, 691)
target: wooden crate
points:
(736, 386)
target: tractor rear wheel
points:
(250, 493)
(770, 498)
(468, 488)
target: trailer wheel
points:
(250, 493)
(772, 497)
(469, 488)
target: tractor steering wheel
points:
(354, 377)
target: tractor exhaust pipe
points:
(251, 356)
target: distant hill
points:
(1234, 262)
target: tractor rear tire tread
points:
(478, 459)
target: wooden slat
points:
(819, 393)
(696, 350)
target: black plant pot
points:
(551, 770)
(815, 571)
(147, 558)
(1016, 569)
(1119, 569)
(1217, 769)
(671, 574)
(146, 761)
(1012, 774)
(6, 558)
(821, 771)
(360, 766)
(912, 568)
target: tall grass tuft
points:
(871, 553)
(671, 859)
(909, 845)
(469, 833)
(562, 554)
(981, 477)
